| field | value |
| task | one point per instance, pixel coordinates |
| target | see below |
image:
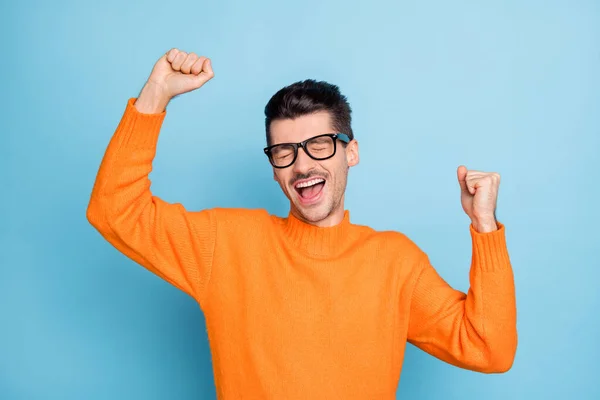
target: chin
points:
(315, 212)
(313, 215)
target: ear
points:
(352, 153)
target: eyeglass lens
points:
(319, 148)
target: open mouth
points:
(309, 190)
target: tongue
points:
(311, 191)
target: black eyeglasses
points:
(320, 147)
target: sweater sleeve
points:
(474, 330)
(173, 243)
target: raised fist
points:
(178, 72)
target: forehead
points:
(300, 128)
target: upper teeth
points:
(310, 183)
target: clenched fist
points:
(479, 193)
(175, 73)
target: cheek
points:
(337, 173)
(281, 177)
(341, 166)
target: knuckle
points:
(171, 54)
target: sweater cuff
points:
(140, 130)
(490, 252)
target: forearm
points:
(121, 202)
(493, 296)
(122, 178)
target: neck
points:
(319, 241)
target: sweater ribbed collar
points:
(318, 241)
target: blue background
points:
(502, 86)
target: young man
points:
(309, 306)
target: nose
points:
(303, 162)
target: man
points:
(309, 306)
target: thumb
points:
(461, 173)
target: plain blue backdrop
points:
(504, 86)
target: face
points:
(315, 188)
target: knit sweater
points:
(295, 311)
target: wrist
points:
(485, 225)
(152, 99)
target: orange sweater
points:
(294, 311)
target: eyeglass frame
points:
(335, 136)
